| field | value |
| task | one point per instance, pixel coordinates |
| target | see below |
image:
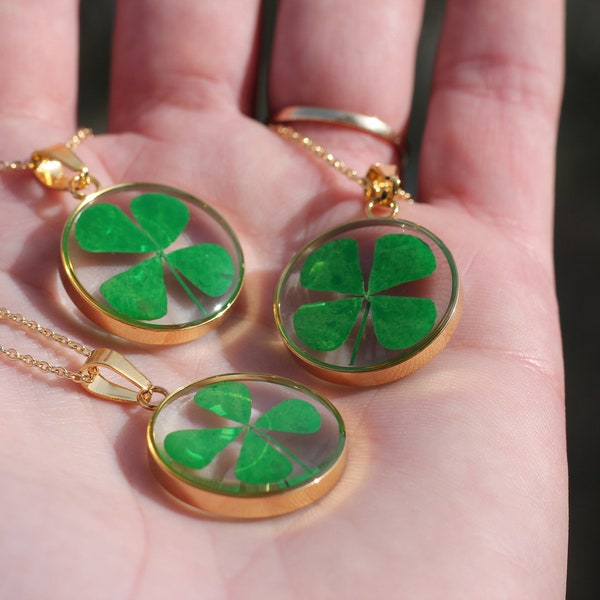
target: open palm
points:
(456, 480)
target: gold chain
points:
(27, 165)
(17, 165)
(381, 184)
(30, 361)
(291, 134)
(27, 359)
(81, 134)
(90, 374)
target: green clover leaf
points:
(140, 291)
(262, 459)
(398, 322)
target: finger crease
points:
(501, 78)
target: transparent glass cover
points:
(367, 295)
(246, 435)
(151, 257)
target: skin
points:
(456, 483)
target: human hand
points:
(456, 478)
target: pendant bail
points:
(102, 387)
(383, 189)
(59, 168)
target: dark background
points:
(577, 246)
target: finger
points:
(174, 58)
(38, 66)
(490, 135)
(341, 55)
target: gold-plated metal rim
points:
(367, 123)
(246, 506)
(392, 370)
(145, 333)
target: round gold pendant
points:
(368, 302)
(246, 445)
(150, 263)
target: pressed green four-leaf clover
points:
(262, 459)
(398, 322)
(140, 292)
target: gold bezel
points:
(387, 371)
(270, 503)
(145, 333)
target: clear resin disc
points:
(150, 263)
(368, 302)
(245, 445)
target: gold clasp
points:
(142, 390)
(383, 189)
(50, 164)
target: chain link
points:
(291, 134)
(26, 165)
(42, 365)
(17, 165)
(381, 190)
(80, 135)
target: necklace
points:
(369, 301)
(240, 445)
(144, 261)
